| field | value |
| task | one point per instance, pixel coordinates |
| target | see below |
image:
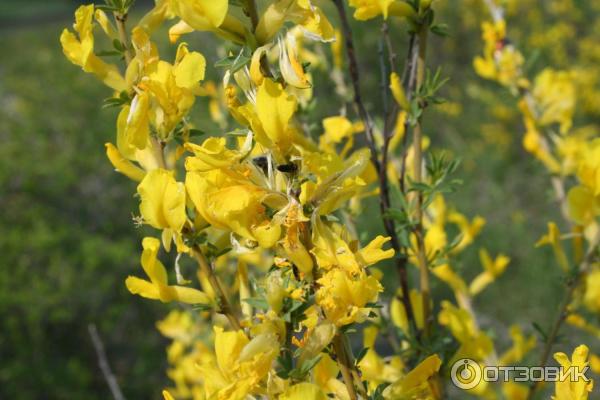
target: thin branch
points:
(384, 199)
(109, 377)
(345, 361)
(563, 310)
(121, 19)
(251, 11)
(418, 165)
(224, 305)
(355, 78)
(496, 12)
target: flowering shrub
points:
(283, 283)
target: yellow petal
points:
(275, 108)
(123, 165)
(398, 91)
(105, 23)
(188, 295)
(190, 70)
(162, 200)
(179, 29)
(373, 253)
(137, 128)
(155, 270)
(255, 71)
(303, 391)
(228, 346)
(142, 287)
(198, 12)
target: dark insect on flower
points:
(287, 168)
(262, 162)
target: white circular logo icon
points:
(465, 373)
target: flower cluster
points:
(261, 212)
(572, 158)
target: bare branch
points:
(110, 378)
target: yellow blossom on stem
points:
(158, 288)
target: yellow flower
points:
(367, 9)
(330, 250)
(591, 297)
(492, 269)
(474, 343)
(580, 322)
(213, 154)
(372, 253)
(521, 346)
(303, 391)
(344, 296)
(291, 69)
(468, 229)
(294, 249)
(583, 206)
(178, 325)
(577, 389)
(339, 184)
(137, 129)
(554, 93)
(398, 313)
(158, 288)
(234, 204)
(589, 168)
(200, 12)
(553, 238)
(123, 165)
(162, 200)
(398, 91)
(337, 129)
(316, 339)
(375, 369)
(501, 62)
(80, 49)
(173, 88)
(275, 108)
(415, 383)
(301, 12)
(241, 364)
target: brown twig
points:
(345, 362)
(384, 199)
(355, 78)
(109, 377)
(224, 305)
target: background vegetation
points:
(67, 243)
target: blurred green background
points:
(67, 241)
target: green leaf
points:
(196, 132)
(202, 307)
(440, 29)
(258, 302)
(235, 62)
(540, 330)
(361, 355)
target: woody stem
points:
(120, 22)
(224, 305)
(345, 361)
(417, 171)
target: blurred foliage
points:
(64, 217)
(63, 230)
